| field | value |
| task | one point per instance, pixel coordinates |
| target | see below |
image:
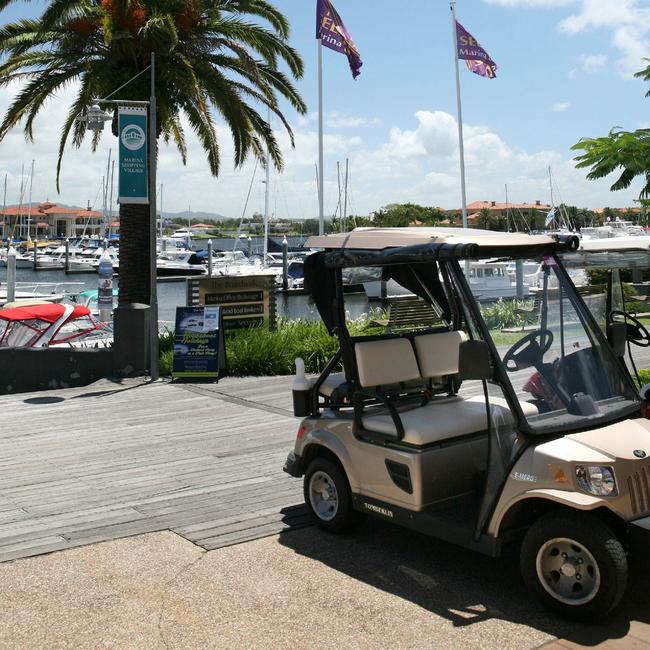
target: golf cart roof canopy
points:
(459, 243)
(388, 246)
(409, 256)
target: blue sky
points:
(564, 72)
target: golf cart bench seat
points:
(391, 362)
(391, 365)
(445, 419)
(387, 362)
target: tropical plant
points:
(624, 152)
(212, 56)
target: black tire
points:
(595, 551)
(335, 519)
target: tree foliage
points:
(626, 153)
(212, 56)
(404, 214)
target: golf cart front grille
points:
(638, 485)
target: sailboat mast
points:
(266, 201)
(345, 195)
(107, 193)
(110, 201)
(4, 208)
(161, 212)
(29, 209)
(338, 207)
(507, 219)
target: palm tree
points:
(213, 56)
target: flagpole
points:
(459, 109)
(321, 210)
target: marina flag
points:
(549, 217)
(332, 33)
(476, 58)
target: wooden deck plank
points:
(89, 464)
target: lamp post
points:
(95, 119)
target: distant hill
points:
(195, 216)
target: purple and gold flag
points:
(333, 34)
(477, 59)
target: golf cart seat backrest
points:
(438, 353)
(385, 362)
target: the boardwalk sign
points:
(244, 301)
(199, 350)
(133, 173)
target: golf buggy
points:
(473, 436)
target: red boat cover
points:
(49, 313)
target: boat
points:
(179, 263)
(490, 280)
(46, 325)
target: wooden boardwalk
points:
(90, 464)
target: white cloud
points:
(592, 63)
(338, 121)
(418, 164)
(560, 107)
(627, 20)
(545, 4)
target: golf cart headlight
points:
(599, 481)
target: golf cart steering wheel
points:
(636, 330)
(528, 351)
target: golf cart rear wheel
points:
(575, 565)
(328, 496)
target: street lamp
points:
(95, 118)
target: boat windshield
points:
(18, 334)
(561, 369)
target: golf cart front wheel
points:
(328, 496)
(575, 565)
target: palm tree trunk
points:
(134, 254)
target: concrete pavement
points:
(381, 587)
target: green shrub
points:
(503, 314)
(259, 352)
(644, 377)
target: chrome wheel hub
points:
(568, 571)
(323, 496)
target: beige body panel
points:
(545, 471)
(437, 473)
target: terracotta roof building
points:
(47, 220)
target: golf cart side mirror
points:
(617, 338)
(474, 360)
(644, 392)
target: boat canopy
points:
(49, 313)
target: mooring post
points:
(35, 253)
(67, 255)
(209, 258)
(285, 264)
(519, 278)
(11, 273)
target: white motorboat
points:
(179, 263)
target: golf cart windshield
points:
(555, 356)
